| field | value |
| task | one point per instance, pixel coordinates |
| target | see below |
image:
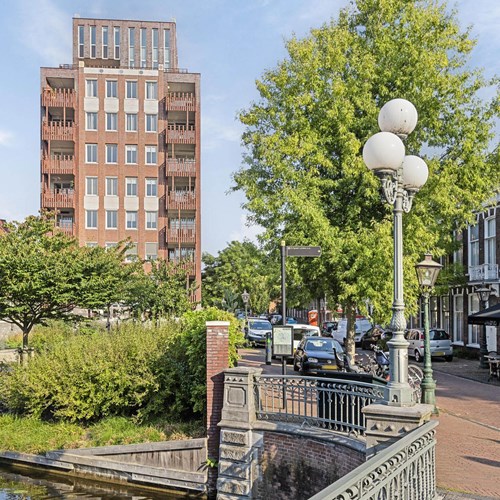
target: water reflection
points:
(18, 483)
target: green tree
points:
(304, 176)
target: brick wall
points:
(217, 362)
(297, 467)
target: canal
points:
(24, 483)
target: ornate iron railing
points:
(405, 470)
(317, 402)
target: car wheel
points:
(418, 356)
(449, 358)
(295, 367)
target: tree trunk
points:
(26, 332)
(350, 345)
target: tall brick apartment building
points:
(120, 141)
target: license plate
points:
(438, 353)
(329, 367)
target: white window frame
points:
(131, 188)
(143, 44)
(473, 243)
(151, 90)
(90, 87)
(111, 186)
(91, 217)
(110, 148)
(131, 220)
(155, 39)
(474, 331)
(116, 42)
(151, 150)
(129, 86)
(90, 152)
(111, 218)
(112, 89)
(129, 120)
(91, 186)
(93, 43)
(91, 119)
(131, 47)
(105, 42)
(490, 256)
(458, 319)
(131, 153)
(152, 220)
(166, 48)
(111, 122)
(81, 41)
(151, 123)
(149, 255)
(151, 187)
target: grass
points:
(29, 435)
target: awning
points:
(490, 316)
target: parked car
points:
(327, 328)
(291, 321)
(256, 329)
(362, 326)
(275, 319)
(317, 354)
(300, 331)
(440, 343)
(373, 336)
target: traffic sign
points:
(303, 251)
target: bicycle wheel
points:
(415, 376)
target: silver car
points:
(439, 340)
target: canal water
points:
(18, 483)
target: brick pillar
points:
(217, 362)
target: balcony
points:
(188, 265)
(180, 134)
(58, 98)
(58, 198)
(180, 167)
(181, 200)
(483, 272)
(181, 101)
(58, 130)
(58, 164)
(65, 227)
(181, 235)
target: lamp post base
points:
(429, 394)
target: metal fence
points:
(318, 402)
(405, 470)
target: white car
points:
(439, 340)
(362, 326)
(301, 330)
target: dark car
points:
(318, 354)
(373, 336)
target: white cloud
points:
(46, 30)
(215, 131)
(6, 138)
(246, 231)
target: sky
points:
(230, 42)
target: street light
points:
(402, 176)
(484, 295)
(427, 273)
(245, 296)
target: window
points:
(458, 253)
(111, 88)
(151, 220)
(105, 42)
(90, 88)
(183, 223)
(474, 245)
(90, 121)
(93, 53)
(183, 253)
(489, 241)
(458, 318)
(131, 186)
(154, 36)
(116, 33)
(143, 47)
(111, 153)
(150, 155)
(151, 90)
(151, 187)
(91, 186)
(131, 220)
(111, 219)
(131, 89)
(112, 121)
(131, 154)
(131, 122)
(91, 244)
(166, 48)
(110, 245)
(90, 153)
(131, 253)
(111, 186)
(151, 123)
(81, 41)
(131, 47)
(151, 251)
(91, 219)
(474, 330)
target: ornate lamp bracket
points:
(407, 200)
(390, 188)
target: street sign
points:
(303, 251)
(282, 340)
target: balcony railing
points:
(58, 98)
(181, 134)
(65, 227)
(58, 164)
(58, 130)
(181, 235)
(180, 167)
(483, 272)
(58, 198)
(181, 101)
(188, 265)
(182, 200)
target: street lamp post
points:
(484, 295)
(427, 273)
(245, 296)
(401, 176)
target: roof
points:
(486, 316)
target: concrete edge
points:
(29, 459)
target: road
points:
(468, 449)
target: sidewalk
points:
(465, 368)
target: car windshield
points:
(259, 325)
(438, 335)
(327, 345)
